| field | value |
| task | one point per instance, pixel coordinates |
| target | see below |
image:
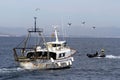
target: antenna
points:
(35, 24)
(56, 33)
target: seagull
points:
(37, 9)
(69, 24)
(94, 27)
(83, 22)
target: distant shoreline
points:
(60, 37)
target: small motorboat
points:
(96, 54)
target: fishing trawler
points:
(43, 55)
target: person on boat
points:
(102, 54)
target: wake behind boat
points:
(43, 55)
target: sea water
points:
(83, 68)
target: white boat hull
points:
(47, 64)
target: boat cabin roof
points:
(57, 42)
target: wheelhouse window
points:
(62, 55)
(56, 45)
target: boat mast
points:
(40, 33)
(56, 34)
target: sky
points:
(16, 16)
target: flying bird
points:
(83, 22)
(93, 27)
(69, 24)
(37, 9)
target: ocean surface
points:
(83, 68)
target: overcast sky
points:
(16, 15)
